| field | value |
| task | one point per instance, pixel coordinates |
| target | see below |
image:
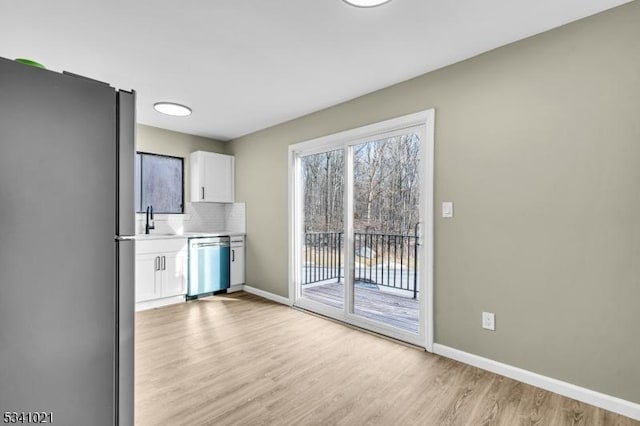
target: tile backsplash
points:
(204, 217)
(235, 217)
(198, 217)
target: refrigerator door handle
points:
(125, 163)
(125, 343)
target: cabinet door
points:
(237, 265)
(173, 277)
(146, 277)
(196, 160)
(218, 178)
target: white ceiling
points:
(244, 65)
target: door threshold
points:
(365, 330)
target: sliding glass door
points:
(386, 217)
(322, 268)
(359, 208)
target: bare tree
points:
(386, 187)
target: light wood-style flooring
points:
(242, 360)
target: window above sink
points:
(159, 182)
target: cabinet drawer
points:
(161, 246)
(237, 241)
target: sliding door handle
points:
(233, 255)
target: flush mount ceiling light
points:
(171, 108)
(366, 3)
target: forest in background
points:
(386, 187)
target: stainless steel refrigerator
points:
(66, 256)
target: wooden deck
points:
(371, 303)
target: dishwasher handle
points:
(216, 244)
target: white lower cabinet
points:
(236, 263)
(161, 267)
(147, 277)
(174, 280)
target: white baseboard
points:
(235, 288)
(158, 303)
(267, 295)
(608, 402)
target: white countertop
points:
(161, 236)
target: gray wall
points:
(538, 145)
(160, 141)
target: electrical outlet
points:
(489, 321)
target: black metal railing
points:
(322, 256)
(379, 259)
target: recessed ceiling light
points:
(171, 108)
(366, 3)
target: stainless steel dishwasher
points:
(208, 266)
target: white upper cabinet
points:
(212, 177)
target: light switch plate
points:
(447, 209)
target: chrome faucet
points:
(149, 225)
